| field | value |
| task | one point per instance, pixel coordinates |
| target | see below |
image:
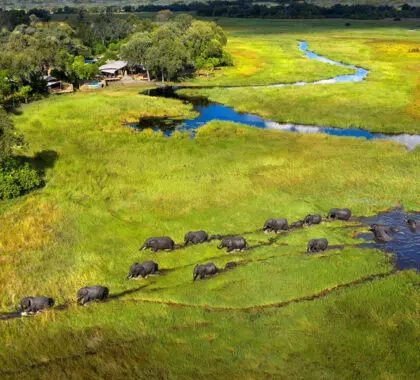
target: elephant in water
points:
(158, 244)
(381, 233)
(412, 225)
(275, 225)
(143, 270)
(339, 213)
(92, 293)
(32, 305)
(204, 270)
(233, 244)
(317, 245)
(196, 237)
(313, 219)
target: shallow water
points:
(358, 76)
(209, 111)
(405, 244)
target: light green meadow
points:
(266, 52)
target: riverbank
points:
(385, 103)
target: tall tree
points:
(135, 51)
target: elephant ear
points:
(82, 293)
(26, 303)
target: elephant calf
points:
(313, 219)
(298, 224)
(92, 293)
(381, 233)
(32, 305)
(317, 245)
(216, 237)
(276, 225)
(143, 270)
(195, 237)
(339, 213)
(233, 244)
(204, 270)
(230, 265)
(158, 244)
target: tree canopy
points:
(177, 47)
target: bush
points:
(17, 179)
(226, 60)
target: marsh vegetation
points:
(279, 312)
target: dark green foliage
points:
(8, 138)
(17, 179)
(178, 47)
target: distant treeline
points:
(9, 19)
(238, 9)
(285, 10)
(245, 9)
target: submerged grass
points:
(109, 189)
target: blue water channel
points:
(208, 111)
(405, 243)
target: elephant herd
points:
(32, 305)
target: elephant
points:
(233, 244)
(412, 224)
(144, 269)
(313, 219)
(204, 270)
(158, 244)
(276, 225)
(34, 304)
(196, 237)
(317, 245)
(298, 224)
(339, 213)
(381, 233)
(230, 265)
(92, 293)
(216, 237)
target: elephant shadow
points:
(126, 292)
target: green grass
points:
(109, 189)
(281, 313)
(267, 59)
(266, 52)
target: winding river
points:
(208, 110)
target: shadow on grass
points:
(42, 161)
(125, 292)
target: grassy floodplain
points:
(280, 313)
(388, 101)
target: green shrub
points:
(17, 179)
